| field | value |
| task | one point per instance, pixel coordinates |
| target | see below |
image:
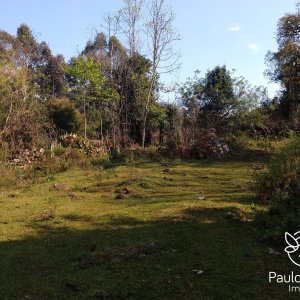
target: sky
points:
(235, 33)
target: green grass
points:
(86, 244)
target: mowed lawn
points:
(141, 231)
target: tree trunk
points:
(85, 121)
(143, 128)
(143, 132)
(101, 127)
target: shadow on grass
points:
(233, 199)
(124, 220)
(129, 258)
(76, 218)
(248, 155)
(245, 156)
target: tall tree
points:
(86, 78)
(56, 75)
(284, 65)
(130, 17)
(213, 100)
(161, 36)
(22, 120)
(49, 75)
(218, 98)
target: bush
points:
(280, 188)
(117, 156)
(60, 151)
(64, 115)
(282, 180)
(240, 142)
(142, 154)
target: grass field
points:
(141, 231)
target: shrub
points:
(240, 142)
(59, 151)
(117, 156)
(282, 179)
(142, 154)
(280, 188)
(64, 115)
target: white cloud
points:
(253, 47)
(235, 27)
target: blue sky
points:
(237, 33)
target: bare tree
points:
(130, 17)
(161, 36)
(111, 26)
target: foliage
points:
(222, 101)
(85, 77)
(48, 74)
(118, 92)
(252, 109)
(116, 89)
(239, 142)
(116, 155)
(284, 65)
(23, 123)
(280, 187)
(86, 80)
(64, 115)
(217, 97)
(135, 88)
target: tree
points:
(130, 17)
(222, 101)
(49, 75)
(23, 123)
(136, 87)
(284, 65)
(55, 75)
(218, 98)
(250, 113)
(211, 100)
(161, 36)
(112, 26)
(86, 78)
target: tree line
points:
(112, 89)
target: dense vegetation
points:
(113, 92)
(280, 187)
